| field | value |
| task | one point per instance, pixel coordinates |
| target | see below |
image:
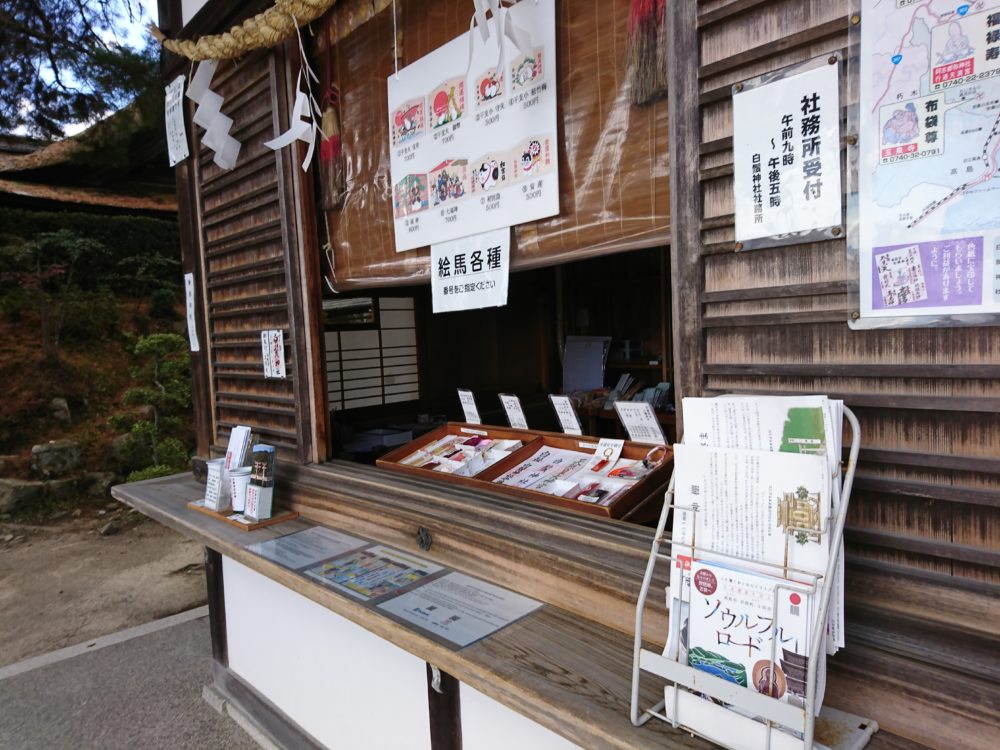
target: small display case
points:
(542, 467)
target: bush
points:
(91, 315)
(163, 304)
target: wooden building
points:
(648, 203)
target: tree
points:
(42, 270)
(63, 63)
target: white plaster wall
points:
(488, 725)
(349, 689)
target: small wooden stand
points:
(199, 505)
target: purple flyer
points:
(943, 273)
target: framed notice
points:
(786, 155)
(473, 144)
(926, 241)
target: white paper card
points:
(272, 347)
(473, 143)
(177, 146)
(469, 406)
(566, 415)
(640, 422)
(189, 305)
(460, 609)
(786, 155)
(471, 272)
(515, 414)
(305, 548)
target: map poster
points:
(473, 144)
(786, 155)
(929, 142)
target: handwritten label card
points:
(469, 406)
(568, 420)
(640, 421)
(177, 146)
(515, 414)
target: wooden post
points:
(686, 277)
(445, 709)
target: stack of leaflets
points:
(757, 486)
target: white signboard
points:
(177, 145)
(189, 302)
(929, 152)
(272, 347)
(786, 155)
(469, 406)
(460, 609)
(566, 414)
(471, 272)
(515, 414)
(640, 422)
(472, 143)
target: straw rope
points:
(265, 29)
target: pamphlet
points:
(372, 573)
(305, 548)
(460, 609)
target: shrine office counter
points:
(311, 667)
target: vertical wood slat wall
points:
(775, 321)
(251, 282)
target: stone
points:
(97, 483)
(16, 494)
(130, 453)
(56, 458)
(61, 490)
(59, 410)
(110, 528)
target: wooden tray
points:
(645, 489)
(287, 515)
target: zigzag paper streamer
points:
(209, 116)
(303, 127)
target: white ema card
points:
(640, 422)
(566, 414)
(515, 413)
(469, 406)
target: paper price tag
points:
(606, 455)
(515, 414)
(469, 406)
(640, 422)
(566, 414)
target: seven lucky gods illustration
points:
(449, 181)
(447, 102)
(410, 195)
(490, 172)
(912, 129)
(532, 158)
(526, 69)
(408, 121)
(489, 86)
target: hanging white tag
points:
(189, 304)
(173, 110)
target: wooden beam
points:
(686, 276)
(850, 370)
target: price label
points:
(640, 422)
(515, 414)
(566, 414)
(469, 406)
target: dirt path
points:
(63, 582)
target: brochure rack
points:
(686, 687)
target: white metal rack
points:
(685, 685)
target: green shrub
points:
(163, 304)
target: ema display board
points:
(472, 132)
(929, 140)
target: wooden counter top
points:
(565, 672)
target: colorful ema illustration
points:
(526, 69)
(489, 173)
(533, 157)
(447, 102)
(410, 195)
(408, 121)
(448, 180)
(489, 86)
